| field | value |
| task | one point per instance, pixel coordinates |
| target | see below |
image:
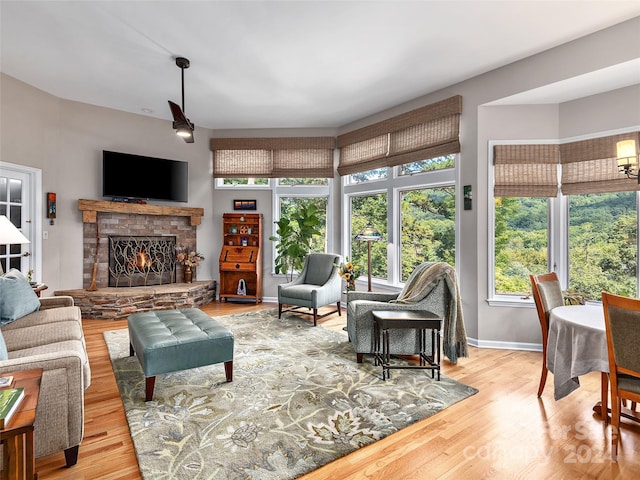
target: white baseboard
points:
(529, 347)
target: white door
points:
(16, 185)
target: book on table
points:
(10, 399)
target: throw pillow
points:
(4, 355)
(17, 298)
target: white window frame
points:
(301, 191)
(557, 230)
(392, 186)
(219, 184)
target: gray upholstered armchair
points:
(317, 285)
(432, 286)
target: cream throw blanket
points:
(422, 281)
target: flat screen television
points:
(134, 176)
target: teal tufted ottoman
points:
(171, 340)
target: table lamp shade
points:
(9, 234)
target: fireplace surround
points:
(102, 220)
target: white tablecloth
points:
(577, 344)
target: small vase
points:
(351, 286)
(188, 274)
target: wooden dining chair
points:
(547, 295)
(622, 325)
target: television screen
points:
(135, 176)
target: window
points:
(438, 163)
(520, 243)
(427, 227)
(369, 210)
(603, 253)
(369, 175)
(303, 181)
(288, 195)
(586, 230)
(418, 209)
(290, 204)
(238, 182)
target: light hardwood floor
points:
(502, 432)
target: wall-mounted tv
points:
(134, 176)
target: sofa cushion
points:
(17, 298)
(42, 335)
(46, 316)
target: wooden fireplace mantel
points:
(90, 208)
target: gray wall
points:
(65, 140)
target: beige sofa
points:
(52, 339)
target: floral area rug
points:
(298, 400)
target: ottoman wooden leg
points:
(151, 382)
(228, 370)
(131, 351)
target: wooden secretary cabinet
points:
(241, 256)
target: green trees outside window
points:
(602, 243)
(427, 227)
(369, 210)
(520, 243)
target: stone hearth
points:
(112, 303)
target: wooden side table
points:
(39, 287)
(419, 320)
(18, 458)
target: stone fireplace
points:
(143, 274)
(102, 220)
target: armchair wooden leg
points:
(359, 357)
(279, 310)
(71, 455)
(315, 317)
(339, 309)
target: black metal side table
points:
(419, 320)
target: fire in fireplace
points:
(136, 261)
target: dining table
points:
(577, 345)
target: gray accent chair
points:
(317, 285)
(436, 298)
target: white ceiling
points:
(281, 64)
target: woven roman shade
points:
(295, 157)
(427, 132)
(526, 170)
(591, 166)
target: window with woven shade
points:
(590, 166)
(427, 132)
(526, 170)
(295, 157)
(588, 234)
